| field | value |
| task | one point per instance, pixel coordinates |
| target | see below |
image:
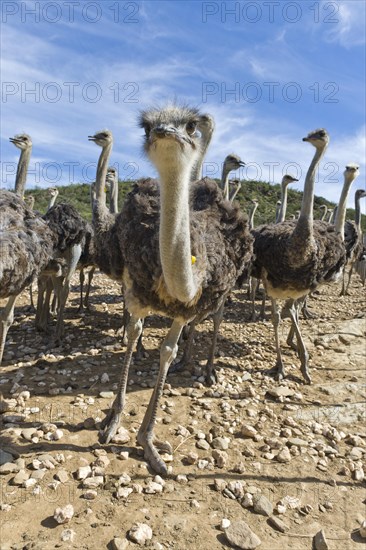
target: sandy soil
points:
(326, 487)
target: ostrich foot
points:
(278, 370)
(211, 377)
(178, 366)
(152, 448)
(110, 425)
(305, 373)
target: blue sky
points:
(269, 72)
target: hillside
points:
(266, 194)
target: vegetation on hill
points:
(266, 194)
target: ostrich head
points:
(233, 162)
(319, 138)
(102, 138)
(52, 192)
(173, 136)
(255, 202)
(287, 179)
(111, 176)
(29, 201)
(351, 172)
(360, 193)
(323, 207)
(22, 141)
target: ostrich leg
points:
(110, 424)
(87, 292)
(74, 257)
(276, 318)
(145, 436)
(81, 279)
(6, 320)
(304, 356)
(210, 369)
(187, 353)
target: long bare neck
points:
(342, 205)
(22, 170)
(283, 208)
(113, 203)
(100, 205)
(174, 234)
(324, 214)
(51, 202)
(277, 213)
(225, 181)
(358, 212)
(251, 216)
(305, 221)
(207, 132)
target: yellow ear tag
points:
(193, 259)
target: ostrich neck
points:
(100, 210)
(113, 204)
(251, 217)
(196, 173)
(341, 210)
(358, 213)
(51, 202)
(22, 170)
(174, 235)
(324, 214)
(225, 181)
(304, 226)
(283, 208)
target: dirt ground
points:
(323, 426)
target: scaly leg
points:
(81, 280)
(73, 259)
(276, 319)
(211, 377)
(349, 280)
(304, 356)
(253, 289)
(110, 424)
(6, 320)
(90, 278)
(145, 436)
(187, 352)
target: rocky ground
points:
(256, 463)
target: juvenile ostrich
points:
(286, 180)
(231, 162)
(293, 258)
(27, 243)
(184, 246)
(353, 240)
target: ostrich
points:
(27, 243)
(24, 143)
(353, 240)
(231, 162)
(29, 201)
(325, 211)
(183, 245)
(286, 180)
(292, 258)
(280, 217)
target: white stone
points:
(64, 515)
(140, 533)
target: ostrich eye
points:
(147, 130)
(191, 127)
